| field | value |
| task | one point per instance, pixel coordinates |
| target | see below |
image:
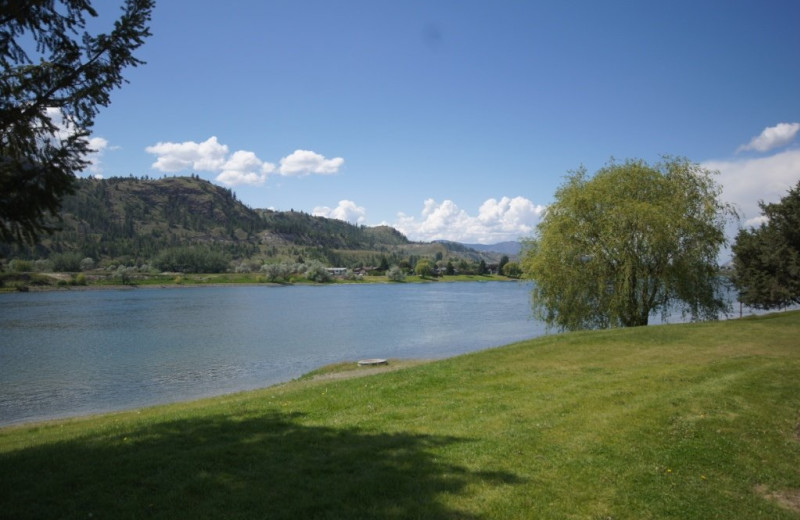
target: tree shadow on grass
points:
(225, 467)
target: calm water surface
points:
(78, 352)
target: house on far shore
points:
(336, 271)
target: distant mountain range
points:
(503, 248)
(506, 248)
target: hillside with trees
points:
(170, 223)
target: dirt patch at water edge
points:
(362, 371)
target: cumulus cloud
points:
(772, 137)
(241, 167)
(244, 168)
(347, 210)
(306, 162)
(745, 182)
(98, 146)
(496, 221)
(174, 157)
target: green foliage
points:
(316, 272)
(49, 99)
(278, 272)
(767, 259)
(512, 270)
(633, 240)
(395, 274)
(193, 259)
(502, 264)
(66, 262)
(20, 266)
(423, 268)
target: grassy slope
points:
(678, 421)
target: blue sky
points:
(455, 119)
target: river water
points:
(70, 353)
(79, 352)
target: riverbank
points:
(675, 421)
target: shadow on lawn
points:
(220, 467)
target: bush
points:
(395, 274)
(42, 266)
(423, 268)
(512, 270)
(125, 274)
(20, 266)
(66, 262)
(316, 272)
(191, 260)
(87, 264)
(246, 266)
(277, 272)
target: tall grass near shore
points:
(674, 421)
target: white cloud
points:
(496, 221)
(347, 210)
(174, 157)
(772, 137)
(306, 162)
(98, 145)
(241, 167)
(745, 182)
(245, 168)
(756, 221)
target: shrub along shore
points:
(671, 421)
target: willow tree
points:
(632, 241)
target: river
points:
(70, 353)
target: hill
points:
(132, 220)
(510, 248)
(672, 421)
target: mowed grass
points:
(692, 421)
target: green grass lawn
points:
(692, 421)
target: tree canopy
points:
(630, 241)
(55, 77)
(767, 259)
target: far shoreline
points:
(58, 282)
